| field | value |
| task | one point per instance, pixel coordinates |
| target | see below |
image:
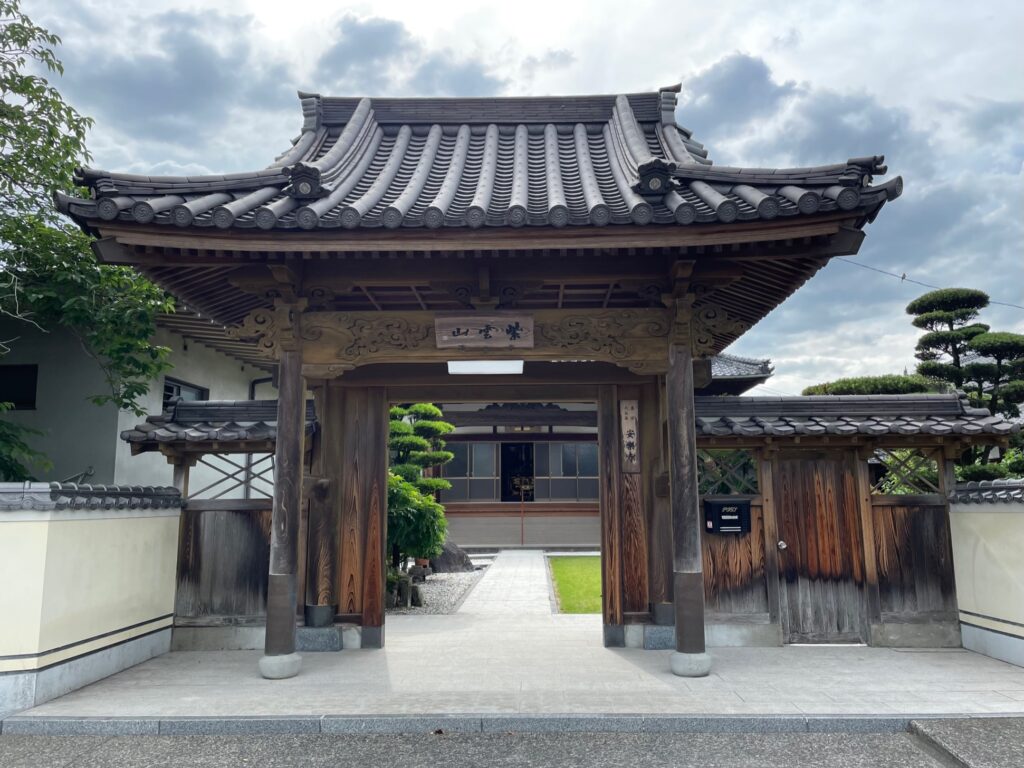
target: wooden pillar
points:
(360, 472)
(375, 526)
(766, 482)
(654, 413)
(690, 658)
(610, 469)
(280, 659)
(322, 538)
(866, 511)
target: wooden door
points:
(821, 556)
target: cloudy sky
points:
(937, 87)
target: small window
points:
(173, 388)
(18, 386)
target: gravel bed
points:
(443, 592)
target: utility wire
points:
(903, 278)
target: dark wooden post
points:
(691, 658)
(280, 659)
(610, 469)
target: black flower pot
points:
(319, 615)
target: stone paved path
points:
(514, 585)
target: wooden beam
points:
(690, 658)
(522, 417)
(469, 240)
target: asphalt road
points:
(593, 750)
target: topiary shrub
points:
(416, 522)
(890, 384)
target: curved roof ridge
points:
(620, 159)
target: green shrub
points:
(889, 384)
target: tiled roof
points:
(190, 421)
(725, 366)
(47, 496)
(585, 160)
(1010, 489)
(872, 415)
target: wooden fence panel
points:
(915, 561)
(734, 576)
(222, 564)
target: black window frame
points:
(171, 381)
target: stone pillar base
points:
(280, 667)
(690, 664)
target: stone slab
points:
(80, 726)
(218, 638)
(447, 723)
(982, 742)
(22, 690)
(916, 635)
(398, 725)
(658, 637)
(995, 644)
(222, 726)
(317, 639)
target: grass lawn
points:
(577, 583)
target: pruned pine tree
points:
(416, 522)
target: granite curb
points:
(461, 723)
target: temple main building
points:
(588, 252)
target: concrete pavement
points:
(594, 750)
(505, 653)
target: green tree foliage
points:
(948, 316)
(17, 457)
(416, 521)
(889, 384)
(987, 365)
(997, 380)
(49, 277)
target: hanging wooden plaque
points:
(629, 432)
(484, 331)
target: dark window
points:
(183, 390)
(517, 471)
(18, 386)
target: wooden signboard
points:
(629, 432)
(511, 330)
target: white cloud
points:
(931, 85)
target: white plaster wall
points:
(225, 377)
(77, 434)
(988, 542)
(82, 576)
(22, 566)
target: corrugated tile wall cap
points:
(1006, 490)
(44, 496)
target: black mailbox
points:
(732, 516)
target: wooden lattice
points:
(257, 476)
(906, 471)
(726, 472)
